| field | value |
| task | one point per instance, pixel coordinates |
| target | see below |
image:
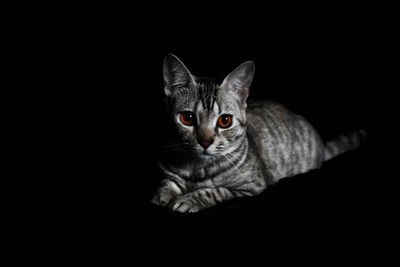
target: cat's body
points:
(226, 147)
(285, 142)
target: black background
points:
(105, 87)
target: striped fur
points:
(265, 143)
(343, 144)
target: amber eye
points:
(187, 118)
(225, 121)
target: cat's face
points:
(210, 118)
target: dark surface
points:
(325, 72)
(106, 79)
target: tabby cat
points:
(226, 146)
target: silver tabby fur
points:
(265, 143)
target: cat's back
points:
(261, 114)
(258, 107)
(286, 143)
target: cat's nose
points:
(205, 138)
(205, 144)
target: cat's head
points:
(210, 118)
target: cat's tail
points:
(344, 143)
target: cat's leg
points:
(167, 192)
(200, 199)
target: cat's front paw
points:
(162, 197)
(184, 204)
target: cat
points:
(227, 147)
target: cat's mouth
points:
(205, 154)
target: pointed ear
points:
(240, 79)
(175, 74)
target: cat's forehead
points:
(206, 96)
(207, 92)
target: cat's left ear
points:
(240, 79)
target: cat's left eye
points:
(225, 121)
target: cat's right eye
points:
(187, 118)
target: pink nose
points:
(205, 144)
(205, 137)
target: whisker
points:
(234, 165)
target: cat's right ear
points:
(175, 74)
(239, 80)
